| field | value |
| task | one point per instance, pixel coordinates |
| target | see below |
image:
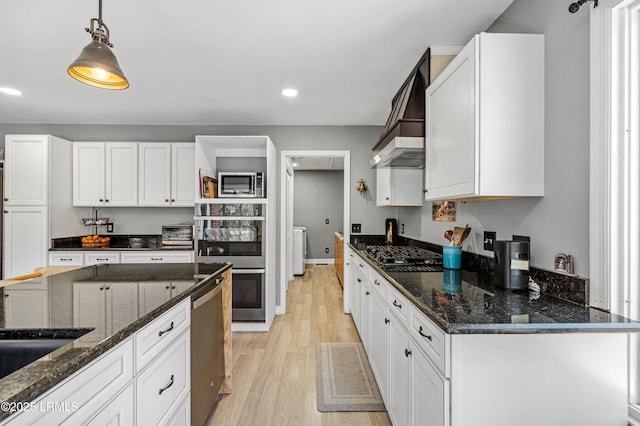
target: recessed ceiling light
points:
(10, 91)
(290, 93)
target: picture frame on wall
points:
(563, 263)
(443, 211)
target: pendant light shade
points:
(97, 65)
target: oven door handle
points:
(247, 271)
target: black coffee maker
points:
(512, 264)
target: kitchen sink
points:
(18, 351)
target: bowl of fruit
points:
(95, 241)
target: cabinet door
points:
(121, 305)
(98, 257)
(383, 187)
(26, 308)
(398, 392)
(152, 294)
(183, 174)
(365, 301)
(119, 412)
(399, 187)
(121, 177)
(26, 170)
(183, 256)
(428, 393)
(379, 341)
(89, 308)
(178, 287)
(26, 239)
(154, 172)
(451, 130)
(88, 174)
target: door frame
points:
(286, 156)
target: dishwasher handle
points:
(206, 297)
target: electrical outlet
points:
(402, 228)
(326, 249)
(356, 228)
(489, 239)
(326, 221)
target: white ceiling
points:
(213, 62)
(318, 163)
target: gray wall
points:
(317, 196)
(558, 222)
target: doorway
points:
(287, 177)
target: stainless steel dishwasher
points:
(207, 349)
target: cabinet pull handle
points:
(367, 293)
(101, 288)
(166, 287)
(107, 288)
(361, 265)
(397, 305)
(424, 335)
(161, 332)
(166, 200)
(173, 200)
(6, 199)
(407, 352)
(156, 258)
(100, 258)
(166, 387)
(101, 200)
(359, 280)
(387, 321)
(376, 282)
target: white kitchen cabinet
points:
(166, 174)
(398, 390)
(26, 239)
(26, 308)
(183, 256)
(105, 174)
(105, 306)
(26, 170)
(119, 412)
(378, 354)
(484, 121)
(101, 257)
(428, 391)
(163, 385)
(399, 187)
(182, 415)
(66, 258)
(152, 294)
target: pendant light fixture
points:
(97, 65)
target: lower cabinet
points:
(117, 302)
(123, 388)
(398, 397)
(428, 391)
(95, 257)
(152, 294)
(26, 308)
(156, 257)
(379, 341)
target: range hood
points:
(402, 142)
(401, 151)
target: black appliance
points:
(405, 258)
(512, 264)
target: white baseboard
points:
(280, 310)
(321, 261)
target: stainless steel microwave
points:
(240, 185)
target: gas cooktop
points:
(405, 258)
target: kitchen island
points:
(453, 348)
(119, 325)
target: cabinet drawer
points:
(66, 259)
(156, 257)
(379, 284)
(86, 391)
(430, 338)
(158, 335)
(96, 258)
(162, 387)
(398, 304)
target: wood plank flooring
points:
(274, 373)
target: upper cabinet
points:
(26, 170)
(398, 187)
(484, 121)
(166, 174)
(105, 174)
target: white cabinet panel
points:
(26, 231)
(26, 170)
(183, 174)
(66, 258)
(398, 395)
(429, 392)
(399, 187)
(26, 308)
(98, 257)
(484, 121)
(119, 412)
(162, 387)
(157, 257)
(379, 342)
(105, 174)
(152, 294)
(154, 170)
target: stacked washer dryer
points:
(299, 249)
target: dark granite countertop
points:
(36, 378)
(117, 243)
(464, 302)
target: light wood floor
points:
(274, 373)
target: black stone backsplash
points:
(571, 288)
